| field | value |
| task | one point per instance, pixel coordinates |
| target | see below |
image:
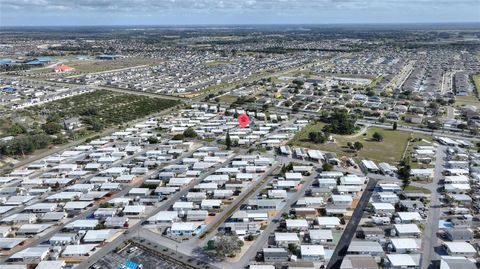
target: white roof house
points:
(328, 222)
(211, 203)
(76, 205)
(164, 217)
(184, 227)
(9, 243)
(183, 206)
(31, 254)
(402, 245)
(407, 229)
(30, 229)
(312, 252)
(293, 176)
(82, 224)
(321, 235)
(79, 250)
(97, 236)
(60, 264)
(401, 261)
(297, 224)
(383, 207)
(286, 238)
(422, 173)
(134, 209)
(352, 180)
(409, 217)
(460, 249)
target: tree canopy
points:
(340, 122)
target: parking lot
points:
(139, 256)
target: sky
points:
(197, 12)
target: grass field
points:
(227, 99)
(375, 82)
(111, 107)
(389, 150)
(411, 188)
(470, 99)
(213, 63)
(92, 66)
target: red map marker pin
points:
(243, 120)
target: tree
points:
(327, 167)
(224, 245)
(284, 169)
(405, 172)
(228, 141)
(17, 129)
(358, 146)
(377, 137)
(51, 128)
(190, 133)
(60, 139)
(178, 137)
(340, 122)
(292, 248)
(394, 126)
(95, 123)
(317, 137)
(152, 140)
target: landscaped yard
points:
(389, 150)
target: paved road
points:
(429, 240)
(349, 232)
(92, 209)
(261, 241)
(455, 135)
(134, 229)
(220, 218)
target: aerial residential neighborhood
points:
(230, 134)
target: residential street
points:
(429, 240)
(349, 232)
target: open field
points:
(110, 107)
(467, 100)
(472, 99)
(227, 99)
(375, 82)
(411, 188)
(389, 150)
(92, 66)
(213, 63)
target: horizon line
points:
(247, 24)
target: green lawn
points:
(390, 150)
(375, 82)
(302, 135)
(411, 188)
(92, 66)
(470, 99)
(212, 63)
(227, 99)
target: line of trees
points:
(25, 144)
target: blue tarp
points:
(130, 264)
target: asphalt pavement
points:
(349, 232)
(430, 239)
